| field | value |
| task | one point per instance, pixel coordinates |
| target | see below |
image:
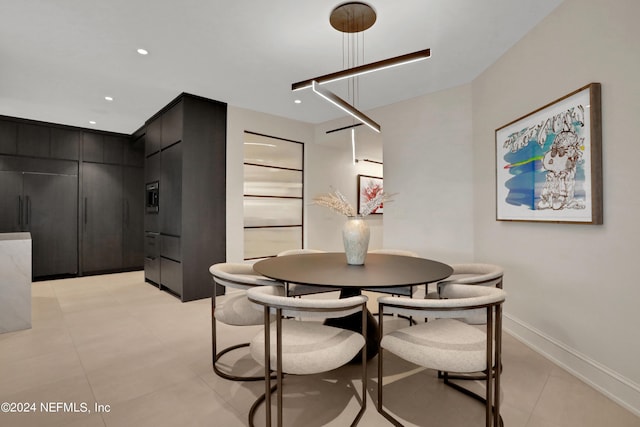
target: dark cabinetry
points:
(12, 196)
(101, 148)
(186, 153)
(172, 125)
(153, 137)
(133, 217)
(65, 143)
(38, 140)
(112, 202)
(152, 257)
(51, 217)
(171, 190)
(101, 217)
(33, 140)
(8, 137)
(57, 181)
(41, 197)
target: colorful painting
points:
(368, 188)
(548, 163)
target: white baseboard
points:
(610, 383)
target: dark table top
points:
(331, 269)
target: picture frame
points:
(549, 162)
(368, 187)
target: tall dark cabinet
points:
(112, 203)
(41, 197)
(185, 150)
(101, 217)
(133, 217)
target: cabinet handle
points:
(126, 213)
(28, 216)
(85, 213)
(20, 211)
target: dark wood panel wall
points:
(55, 167)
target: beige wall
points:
(572, 291)
(428, 154)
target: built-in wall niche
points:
(273, 195)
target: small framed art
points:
(368, 188)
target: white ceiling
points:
(60, 58)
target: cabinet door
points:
(114, 149)
(101, 217)
(51, 216)
(33, 140)
(92, 147)
(172, 125)
(134, 153)
(133, 233)
(65, 143)
(170, 200)
(8, 137)
(11, 202)
(153, 137)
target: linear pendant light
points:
(365, 69)
(344, 106)
(351, 18)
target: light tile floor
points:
(119, 342)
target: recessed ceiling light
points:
(93, 122)
(298, 101)
(108, 98)
(142, 51)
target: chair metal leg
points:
(381, 410)
(259, 401)
(363, 406)
(267, 366)
(279, 364)
(492, 374)
(230, 377)
(215, 355)
(498, 363)
(269, 389)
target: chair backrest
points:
(476, 274)
(300, 251)
(394, 252)
(459, 301)
(307, 307)
(239, 275)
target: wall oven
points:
(152, 197)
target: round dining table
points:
(330, 270)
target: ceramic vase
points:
(355, 236)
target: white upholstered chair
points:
(474, 274)
(298, 289)
(448, 344)
(234, 308)
(471, 274)
(303, 347)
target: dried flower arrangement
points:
(338, 203)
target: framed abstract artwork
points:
(368, 188)
(549, 162)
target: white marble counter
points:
(15, 281)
